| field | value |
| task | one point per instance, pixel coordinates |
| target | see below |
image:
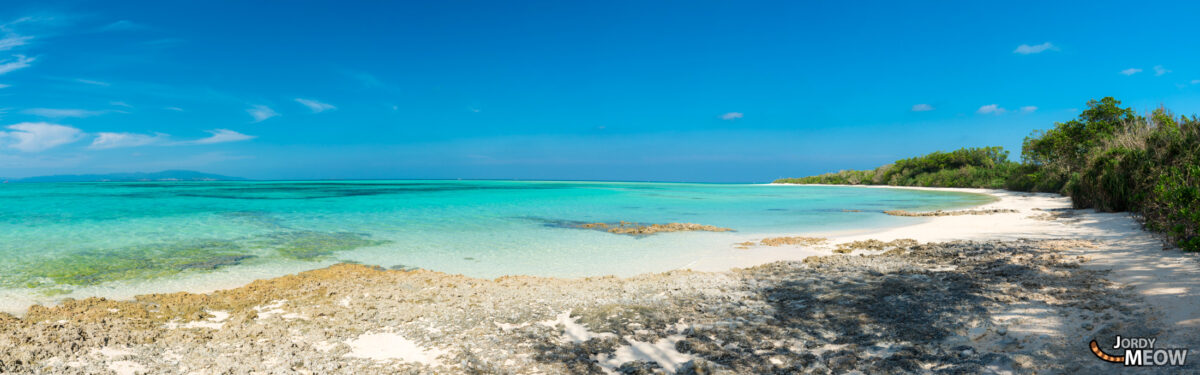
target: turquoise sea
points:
(116, 240)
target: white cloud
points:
(922, 108)
(222, 136)
(732, 116)
(1160, 70)
(1028, 109)
(61, 112)
(365, 78)
(261, 112)
(315, 106)
(1026, 49)
(122, 25)
(2, 86)
(20, 62)
(991, 109)
(38, 136)
(119, 104)
(13, 41)
(118, 140)
(91, 82)
(176, 109)
(1131, 71)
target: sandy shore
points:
(1014, 292)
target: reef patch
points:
(313, 245)
(638, 229)
(126, 263)
(951, 213)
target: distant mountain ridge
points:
(169, 175)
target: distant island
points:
(168, 175)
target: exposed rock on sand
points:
(636, 229)
(958, 307)
(1054, 214)
(801, 241)
(951, 213)
(781, 241)
(875, 245)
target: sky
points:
(703, 91)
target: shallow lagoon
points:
(121, 239)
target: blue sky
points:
(615, 90)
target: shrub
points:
(1109, 158)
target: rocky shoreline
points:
(638, 229)
(956, 307)
(1023, 291)
(992, 211)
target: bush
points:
(986, 167)
(1108, 158)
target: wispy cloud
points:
(922, 108)
(222, 136)
(17, 62)
(38, 136)
(1131, 71)
(4, 86)
(365, 78)
(261, 112)
(176, 109)
(1029, 109)
(92, 82)
(1196, 81)
(123, 25)
(62, 112)
(315, 106)
(117, 103)
(7, 26)
(732, 116)
(1026, 49)
(13, 41)
(1160, 70)
(10, 39)
(991, 109)
(106, 140)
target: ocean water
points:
(121, 239)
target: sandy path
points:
(1167, 279)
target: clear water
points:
(121, 239)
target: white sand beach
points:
(1166, 278)
(1018, 291)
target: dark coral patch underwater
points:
(55, 274)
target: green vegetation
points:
(986, 167)
(1109, 158)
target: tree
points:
(1066, 147)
